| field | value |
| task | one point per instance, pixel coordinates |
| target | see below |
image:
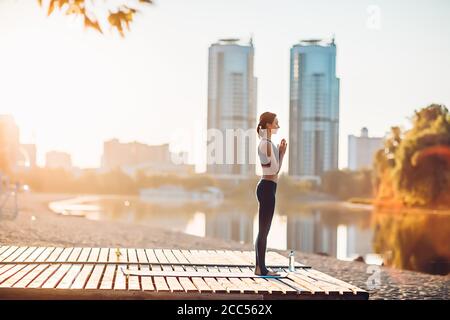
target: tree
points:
(119, 14)
(415, 168)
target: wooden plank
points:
(151, 256)
(325, 285)
(118, 255)
(35, 254)
(30, 276)
(238, 257)
(306, 283)
(103, 256)
(74, 254)
(94, 279)
(8, 252)
(24, 255)
(172, 282)
(93, 256)
(206, 284)
(65, 254)
(225, 282)
(132, 256)
(84, 255)
(185, 282)
(15, 254)
(146, 282)
(235, 258)
(257, 285)
(133, 281)
(282, 285)
(108, 277)
(344, 284)
(120, 281)
(189, 256)
(202, 285)
(17, 276)
(3, 249)
(180, 256)
(160, 282)
(5, 267)
(36, 283)
(82, 277)
(55, 278)
(242, 285)
(45, 254)
(11, 271)
(70, 277)
(199, 257)
(329, 282)
(55, 254)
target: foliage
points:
(120, 14)
(407, 170)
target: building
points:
(232, 102)
(150, 159)
(362, 149)
(9, 143)
(58, 160)
(27, 155)
(313, 109)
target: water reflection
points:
(415, 241)
(411, 241)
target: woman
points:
(271, 158)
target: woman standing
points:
(271, 158)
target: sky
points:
(70, 89)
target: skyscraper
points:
(314, 109)
(231, 105)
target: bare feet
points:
(267, 273)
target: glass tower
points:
(232, 104)
(313, 109)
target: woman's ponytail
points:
(264, 119)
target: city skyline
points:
(123, 102)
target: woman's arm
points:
(280, 162)
(282, 151)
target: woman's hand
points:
(282, 147)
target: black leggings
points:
(265, 192)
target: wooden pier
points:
(96, 273)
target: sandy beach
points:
(36, 225)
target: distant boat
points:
(173, 193)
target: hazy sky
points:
(71, 89)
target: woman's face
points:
(273, 126)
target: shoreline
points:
(37, 225)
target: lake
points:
(415, 241)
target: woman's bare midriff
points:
(272, 177)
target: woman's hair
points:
(264, 119)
